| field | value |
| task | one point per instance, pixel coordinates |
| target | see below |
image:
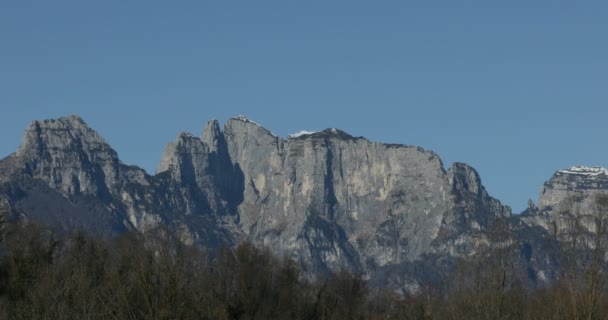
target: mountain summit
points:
(326, 199)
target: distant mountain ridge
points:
(326, 199)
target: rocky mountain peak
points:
(531, 206)
(241, 125)
(331, 133)
(328, 199)
(474, 210)
(62, 133)
(213, 137)
(463, 177)
(299, 134)
(245, 119)
(212, 130)
(585, 171)
(180, 152)
(573, 181)
(69, 156)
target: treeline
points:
(42, 277)
(129, 277)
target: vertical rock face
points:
(574, 181)
(78, 164)
(201, 172)
(334, 200)
(328, 199)
(69, 156)
(570, 195)
(63, 167)
(569, 191)
(471, 204)
(469, 215)
(187, 161)
(74, 159)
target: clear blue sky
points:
(517, 89)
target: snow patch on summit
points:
(301, 133)
(244, 119)
(587, 171)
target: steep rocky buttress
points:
(327, 199)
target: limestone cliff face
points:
(570, 191)
(332, 200)
(328, 199)
(573, 182)
(569, 195)
(472, 213)
(64, 173)
(73, 158)
(201, 171)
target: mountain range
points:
(329, 200)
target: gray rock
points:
(570, 195)
(575, 181)
(569, 192)
(327, 199)
(335, 201)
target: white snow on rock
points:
(301, 133)
(588, 171)
(244, 119)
